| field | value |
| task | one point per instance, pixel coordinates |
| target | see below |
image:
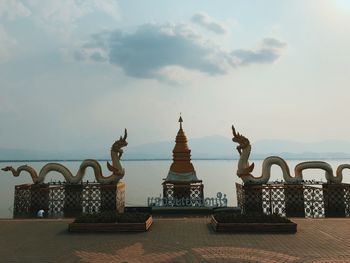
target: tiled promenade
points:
(173, 240)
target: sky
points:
(75, 73)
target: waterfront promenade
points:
(173, 240)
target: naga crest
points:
(240, 139)
(118, 145)
(117, 149)
(243, 143)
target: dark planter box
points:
(110, 227)
(253, 227)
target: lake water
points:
(143, 178)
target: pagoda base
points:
(182, 194)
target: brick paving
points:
(174, 240)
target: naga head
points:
(118, 152)
(242, 141)
(7, 168)
(245, 168)
(119, 144)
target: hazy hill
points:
(220, 147)
(330, 146)
(207, 147)
(25, 154)
(211, 147)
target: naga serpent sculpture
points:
(116, 168)
(245, 169)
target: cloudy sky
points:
(74, 73)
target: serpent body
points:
(116, 168)
(245, 169)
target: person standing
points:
(40, 213)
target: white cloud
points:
(205, 21)
(57, 16)
(60, 20)
(109, 7)
(143, 53)
(7, 45)
(269, 50)
(152, 49)
(68, 11)
(12, 9)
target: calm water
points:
(143, 178)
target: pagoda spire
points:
(181, 121)
(182, 167)
(181, 182)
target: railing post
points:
(252, 198)
(294, 200)
(73, 200)
(113, 197)
(334, 200)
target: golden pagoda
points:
(181, 170)
(181, 182)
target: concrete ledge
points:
(285, 228)
(110, 227)
(182, 211)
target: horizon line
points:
(162, 159)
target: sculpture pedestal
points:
(334, 200)
(113, 197)
(252, 198)
(294, 200)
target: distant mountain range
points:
(211, 147)
(220, 147)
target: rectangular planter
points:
(110, 227)
(254, 227)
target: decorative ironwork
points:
(192, 192)
(314, 201)
(39, 198)
(347, 200)
(67, 200)
(196, 194)
(91, 199)
(335, 200)
(273, 200)
(56, 201)
(296, 200)
(22, 200)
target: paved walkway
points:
(173, 240)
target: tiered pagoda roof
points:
(181, 170)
